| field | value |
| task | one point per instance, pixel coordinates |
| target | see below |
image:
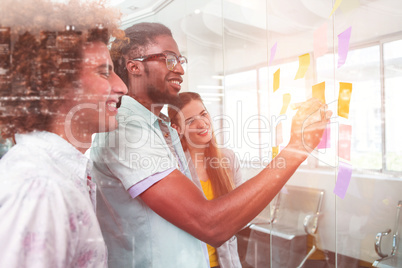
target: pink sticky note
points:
(273, 52)
(343, 46)
(345, 136)
(326, 138)
(343, 179)
(320, 41)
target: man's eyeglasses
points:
(171, 59)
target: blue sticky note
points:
(343, 179)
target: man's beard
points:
(161, 97)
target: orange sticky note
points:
(277, 75)
(286, 101)
(319, 91)
(336, 5)
(345, 93)
(304, 63)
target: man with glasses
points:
(151, 212)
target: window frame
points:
(312, 162)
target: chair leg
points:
(312, 250)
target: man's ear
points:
(134, 67)
(177, 128)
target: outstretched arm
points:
(179, 201)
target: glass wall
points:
(246, 58)
(250, 58)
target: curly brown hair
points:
(40, 59)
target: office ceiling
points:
(249, 19)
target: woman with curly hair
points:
(216, 168)
(58, 88)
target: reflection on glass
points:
(242, 110)
(393, 108)
(362, 69)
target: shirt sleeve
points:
(143, 185)
(133, 152)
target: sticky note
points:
(325, 139)
(343, 46)
(336, 5)
(345, 137)
(345, 93)
(385, 202)
(343, 179)
(275, 151)
(273, 52)
(304, 63)
(320, 41)
(279, 135)
(319, 91)
(286, 101)
(277, 75)
(349, 5)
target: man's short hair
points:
(133, 44)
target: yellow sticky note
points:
(349, 5)
(304, 63)
(345, 93)
(286, 101)
(275, 151)
(337, 4)
(277, 75)
(319, 91)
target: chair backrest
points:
(396, 236)
(394, 259)
(298, 208)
